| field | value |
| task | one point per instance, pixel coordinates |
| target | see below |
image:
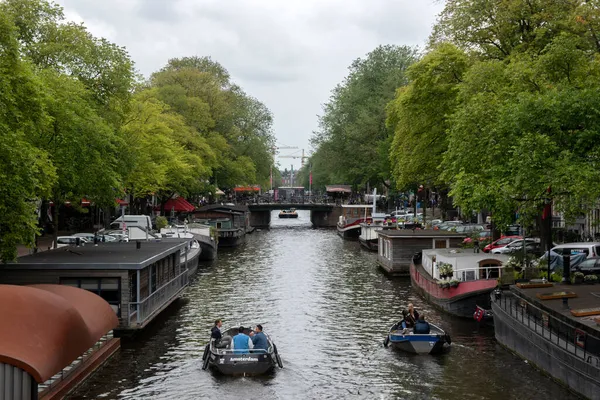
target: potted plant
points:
(590, 279)
(577, 278)
(445, 285)
(454, 283)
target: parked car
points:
(503, 241)
(63, 241)
(591, 249)
(483, 237)
(531, 246)
(590, 266)
(101, 237)
(467, 228)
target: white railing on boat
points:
(471, 274)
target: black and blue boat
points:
(417, 343)
(219, 356)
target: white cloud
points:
(287, 53)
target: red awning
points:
(122, 202)
(247, 189)
(179, 204)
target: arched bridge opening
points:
(321, 215)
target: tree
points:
(25, 171)
(419, 116)
(352, 130)
(238, 126)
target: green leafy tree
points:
(353, 140)
(25, 170)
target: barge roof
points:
(119, 256)
(467, 254)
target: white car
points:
(515, 246)
(63, 241)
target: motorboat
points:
(220, 357)
(405, 339)
(290, 213)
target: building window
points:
(107, 288)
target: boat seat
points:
(224, 343)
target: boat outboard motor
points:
(417, 257)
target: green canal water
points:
(327, 306)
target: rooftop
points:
(409, 233)
(104, 256)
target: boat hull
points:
(418, 344)
(209, 250)
(193, 257)
(461, 301)
(242, 364)
(349, 233)
(288, 215)
(231, 238)
(371, 245)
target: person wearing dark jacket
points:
(422, 327)
(215, 332)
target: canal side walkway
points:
(545, 333)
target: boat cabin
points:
(466, 265)
(397, 247)
(232, 222)
(137, 279)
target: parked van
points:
(141, 221)
(590, 249)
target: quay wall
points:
(325, 219)
(572, 371)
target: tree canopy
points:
(353, 141)
(76, 121)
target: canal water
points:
(327, 306)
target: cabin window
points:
(107, 288)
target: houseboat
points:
(291, 213)
(192, 251)
(138, 279)
(397, 247)
(457, 280)
(232, 222)
(348, 226)
(208, 239)
(369, 238)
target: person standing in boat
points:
(215, 332)
(259, 339)
(241, 343)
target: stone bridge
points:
(322, 215)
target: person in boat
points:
(422, 327)
(259, 339)
(412, 316)
(215, 332)
(241, 343)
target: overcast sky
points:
(287, 53)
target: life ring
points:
(277, 358)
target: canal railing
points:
(139, 312)
(574, 340)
